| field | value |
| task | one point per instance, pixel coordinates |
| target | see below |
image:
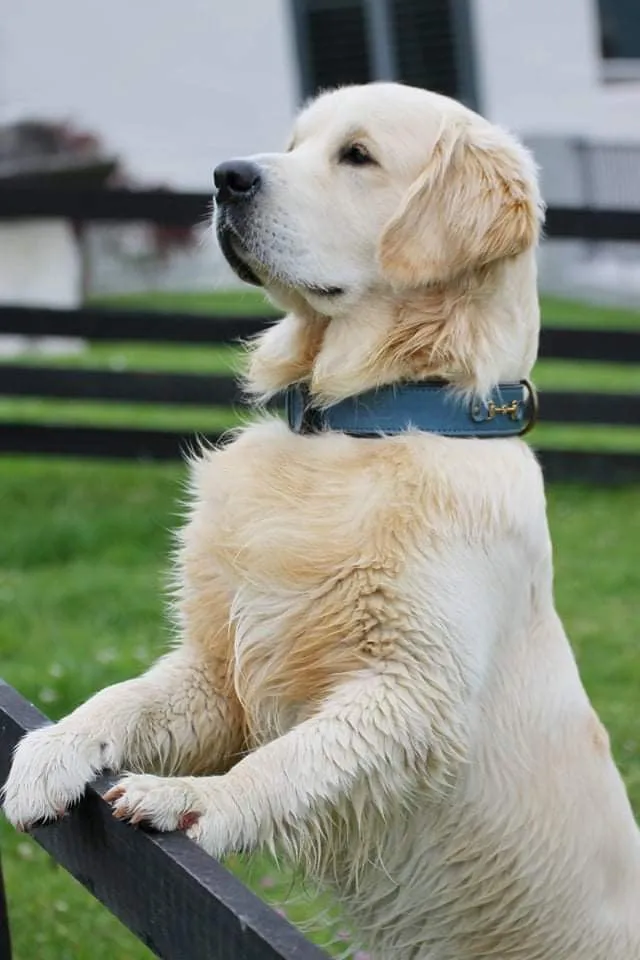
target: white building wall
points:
(539, 71)
(175, 87)
(172, 87)
(540, 74)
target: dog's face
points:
(381, 186)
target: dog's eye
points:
(356, 155)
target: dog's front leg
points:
(176, 717)
(368, 730)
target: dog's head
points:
(382, 187)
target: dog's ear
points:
(477, 201)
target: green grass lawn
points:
(83, 558)
(557, 312)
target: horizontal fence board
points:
(5, 933)
(103, 324)
(198, 389)
(590, 467)
(183, 389)
(109, 443)
(180, 902)
(582, 223)
(183, 209)
(162, 207)
(604, 346)
(610, 409)
(119, 443)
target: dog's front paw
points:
(51, 768)
(197, 806)
(165, 803)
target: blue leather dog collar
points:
(432, 406)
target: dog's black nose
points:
(236, 179)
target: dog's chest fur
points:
(413, 561)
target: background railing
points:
(198, 389)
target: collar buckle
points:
(524, 409)
(511, 410)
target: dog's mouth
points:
(231, 246)
(237, 257)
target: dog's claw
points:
(188, 820)
(114, 793)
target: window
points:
(620, 38)
(333, 46)
(425, 43)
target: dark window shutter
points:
(619, 29)
(430, 44)
(425, 44)
(335, 41)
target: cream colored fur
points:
(369, 624)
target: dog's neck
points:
(469, 333)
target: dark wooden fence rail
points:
(24, 380)
(5, 933)
(123, 443)
(179, 901)
(187, 209)
(105, 324)
(105, 206)
(200, 389)
(208, 390)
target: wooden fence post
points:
(5, 937)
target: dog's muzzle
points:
(230, 245)
(237, 182)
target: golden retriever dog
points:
(370, 673)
